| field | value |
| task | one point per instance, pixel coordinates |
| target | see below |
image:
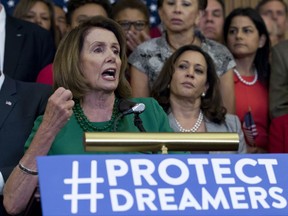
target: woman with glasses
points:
(180, 19)
(133, 17)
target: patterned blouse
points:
(150, 56)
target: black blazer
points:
(28, 49)
(20, 104)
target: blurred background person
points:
(212, 21)
(277, 11)
(60, 19)
(272, 30)
(25, 48)
(278, 99)
(188, 90)
(77, 12)
(133, 17)
(88, 88)
(247, 38)
(180, 19)
(40, 12)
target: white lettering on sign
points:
(177, 185)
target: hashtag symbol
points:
(75, 181)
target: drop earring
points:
(203, 94)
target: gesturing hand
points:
(58, 110)
(133, 39)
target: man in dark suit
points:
(20, 104)
(27, 48)
(278, 98)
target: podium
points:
(164, 184)
(56, 173)
(160, 142)
(170, 184)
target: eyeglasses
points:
(138, 25)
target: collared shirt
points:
(1, 183)
(1, 79)
(1, 177)
(2, 35)
(2, 45)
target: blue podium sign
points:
(169, 185)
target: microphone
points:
(127, 107)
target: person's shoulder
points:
(26, 26)
(33, 87)
(282, 45)
(150, 102)
(26, 90)
(144, 100)
(232, 120)
(231, 117)
(149, 43)
(216, 46)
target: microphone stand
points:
(127, 107)
(138, 122)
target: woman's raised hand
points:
(58, 109)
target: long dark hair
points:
(261, 60)
(211, 104)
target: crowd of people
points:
(63, 73)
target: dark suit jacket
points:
(278, 90)
(278, 99)
(20, 104)
(28, 49)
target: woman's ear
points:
(262, 41)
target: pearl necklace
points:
(244, 81)
(194, 128)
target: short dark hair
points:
(222, 3)
(211, 104)
(261, 60)
(72, 5)
(121, 5)
(263, 2)
(67, 71)
(202, 4)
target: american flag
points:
(151, 4)
(249, 129)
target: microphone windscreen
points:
(125, 105)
